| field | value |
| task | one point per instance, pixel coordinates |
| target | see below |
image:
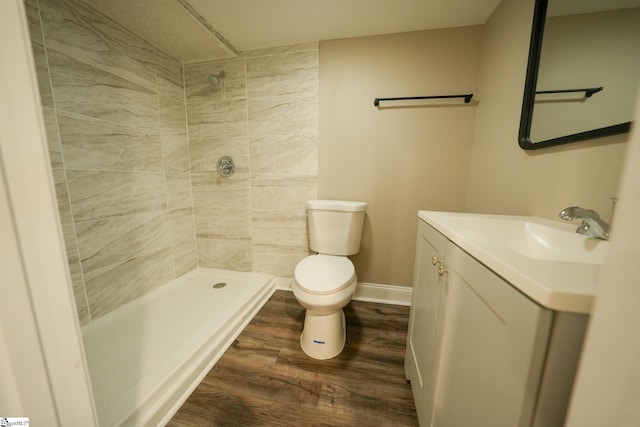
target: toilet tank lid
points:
(337, 205)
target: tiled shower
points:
(134, 138)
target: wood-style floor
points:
(264, 378)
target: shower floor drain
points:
(219, 285)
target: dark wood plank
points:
(265, 379)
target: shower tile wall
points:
(265, 116)
(115, 119)
(130, 174)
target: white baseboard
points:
(370, 292)
(384, 294)
(283, 284)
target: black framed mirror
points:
(583, 71)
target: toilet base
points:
(323, 336)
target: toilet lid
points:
(323, 274)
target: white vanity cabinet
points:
(425, 323)
(480, 352)
(493, 351)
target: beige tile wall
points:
(130, 174)
(115, 116)
(265, 116)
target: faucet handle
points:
(583, 228)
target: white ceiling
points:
(250, 24)
(204, 30)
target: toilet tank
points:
(335, 226)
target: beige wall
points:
(506, 179)
(399, 158)
(609, 358)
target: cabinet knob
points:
(441, 269)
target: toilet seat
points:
(324, 274)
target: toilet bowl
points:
(324, 283)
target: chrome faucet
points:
(591, 226)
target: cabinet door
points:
(421, 360)
(493, 348)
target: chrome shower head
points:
(216, 79)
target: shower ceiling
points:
(172, 25)
(201, 30)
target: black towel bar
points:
(467, 98)
(588, 91)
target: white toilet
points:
(324, 283)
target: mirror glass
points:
(583, 72)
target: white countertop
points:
(557, 285)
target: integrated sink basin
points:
(546, 260)
(536, 238)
